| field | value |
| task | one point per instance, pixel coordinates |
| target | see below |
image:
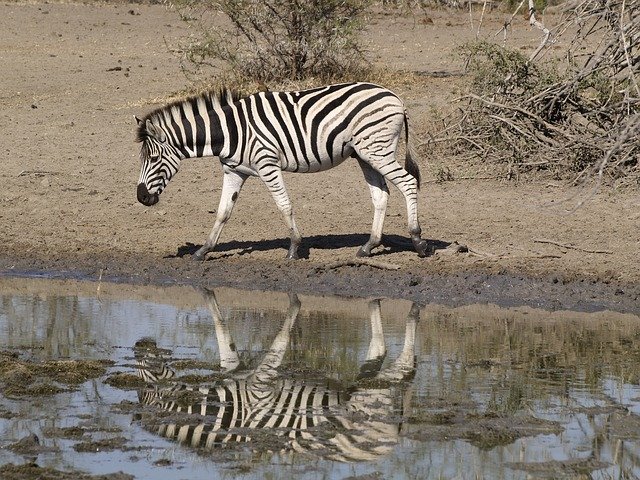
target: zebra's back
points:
(316, 129)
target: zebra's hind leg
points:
(408, 185)
(232, 183)
(379, 197)
(271, 175)
(392, 171)
(404, 367)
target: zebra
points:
(150, 359)
(296, 415)
(268, 133)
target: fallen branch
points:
(36, 173)
(478, 253)
(583, 117)
(569, 246)
(521, 110)
(356, 262)
(455, 179)
(534, 22)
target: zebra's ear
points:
(154, 131)
(138, 121)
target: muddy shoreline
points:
(422, 283)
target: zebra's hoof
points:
(363, 252)
(292, 256)
(199, 255)
(423, 248)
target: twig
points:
(512, 125)
(507, 256)
(478, 253)
(484, 7)
(625, 48)
(507, 23)
(35, 173)
(356, 262)
(515, 108)
(569, 246)
(455, 179)
(536, 23)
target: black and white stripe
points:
(150, 361)
(264, 134)
(265, 409)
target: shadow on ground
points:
(392, 244)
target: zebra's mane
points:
(221, 97)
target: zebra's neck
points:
(194, 127)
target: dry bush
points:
(274, 40)
(579, 121)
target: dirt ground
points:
(73, 76)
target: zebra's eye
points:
(154, 158)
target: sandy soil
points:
(74, 75)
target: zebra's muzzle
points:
(146, 198)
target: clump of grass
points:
(125, 381)
(496, 69)
(32, 378)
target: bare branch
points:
(569, 246)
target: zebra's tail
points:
(410, 163)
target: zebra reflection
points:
(273, 412)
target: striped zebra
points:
(151, 361)
(265, 134)
(265, 409)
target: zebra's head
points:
(159, 162)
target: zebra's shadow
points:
(391, 243)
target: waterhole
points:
(172, 383)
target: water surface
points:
(233, 384)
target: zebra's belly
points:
(312, 165)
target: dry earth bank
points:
(73, 76)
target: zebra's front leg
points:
(229, 359)
(272, 177)
(268, 367)
(379, 196)
(232, 183)
(377, 348)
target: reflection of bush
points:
(275, 40)
(523, 358)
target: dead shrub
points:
(274, 40)
(578, 119)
